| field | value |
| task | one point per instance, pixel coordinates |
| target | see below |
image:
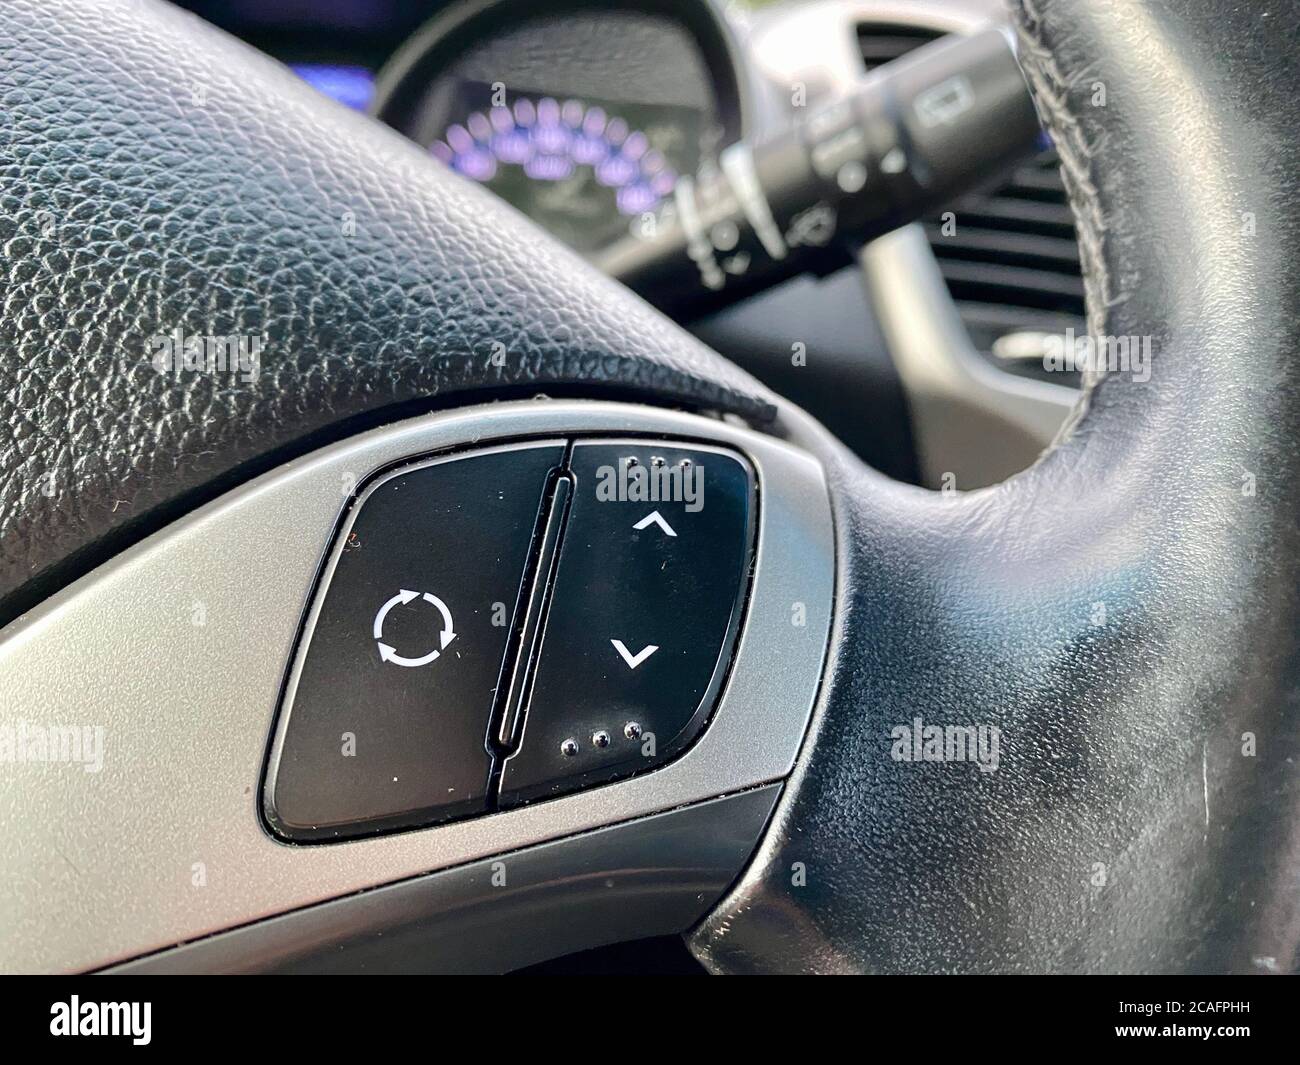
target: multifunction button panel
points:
(506, 625)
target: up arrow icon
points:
(655, 518)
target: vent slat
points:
(1023, 249)
(1030, 214)
(1014, 285)
(997, 318)
(1037, 181)
(987, 322)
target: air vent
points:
(1009, 253)
(881, 44)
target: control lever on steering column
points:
(906, 140)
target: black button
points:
(647, 599)
(388, 723)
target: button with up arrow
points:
(655, 518)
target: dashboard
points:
(583, 119)
(585, 115)
(582, 115)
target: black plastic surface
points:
(641, 620)
(817, 341)
(459, 530)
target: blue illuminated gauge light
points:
(351, 86)
(550, 140)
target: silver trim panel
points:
(656, 876)
(178, 649)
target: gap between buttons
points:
(506, 724)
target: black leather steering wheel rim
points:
(1125, 611)
(1125, 827)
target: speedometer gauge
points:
(582, 115)
(585, 169)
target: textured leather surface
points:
(155, 175)
(1126, 826)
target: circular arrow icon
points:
(389, 654)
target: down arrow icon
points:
(634, 660)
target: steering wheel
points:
(1125, 613)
